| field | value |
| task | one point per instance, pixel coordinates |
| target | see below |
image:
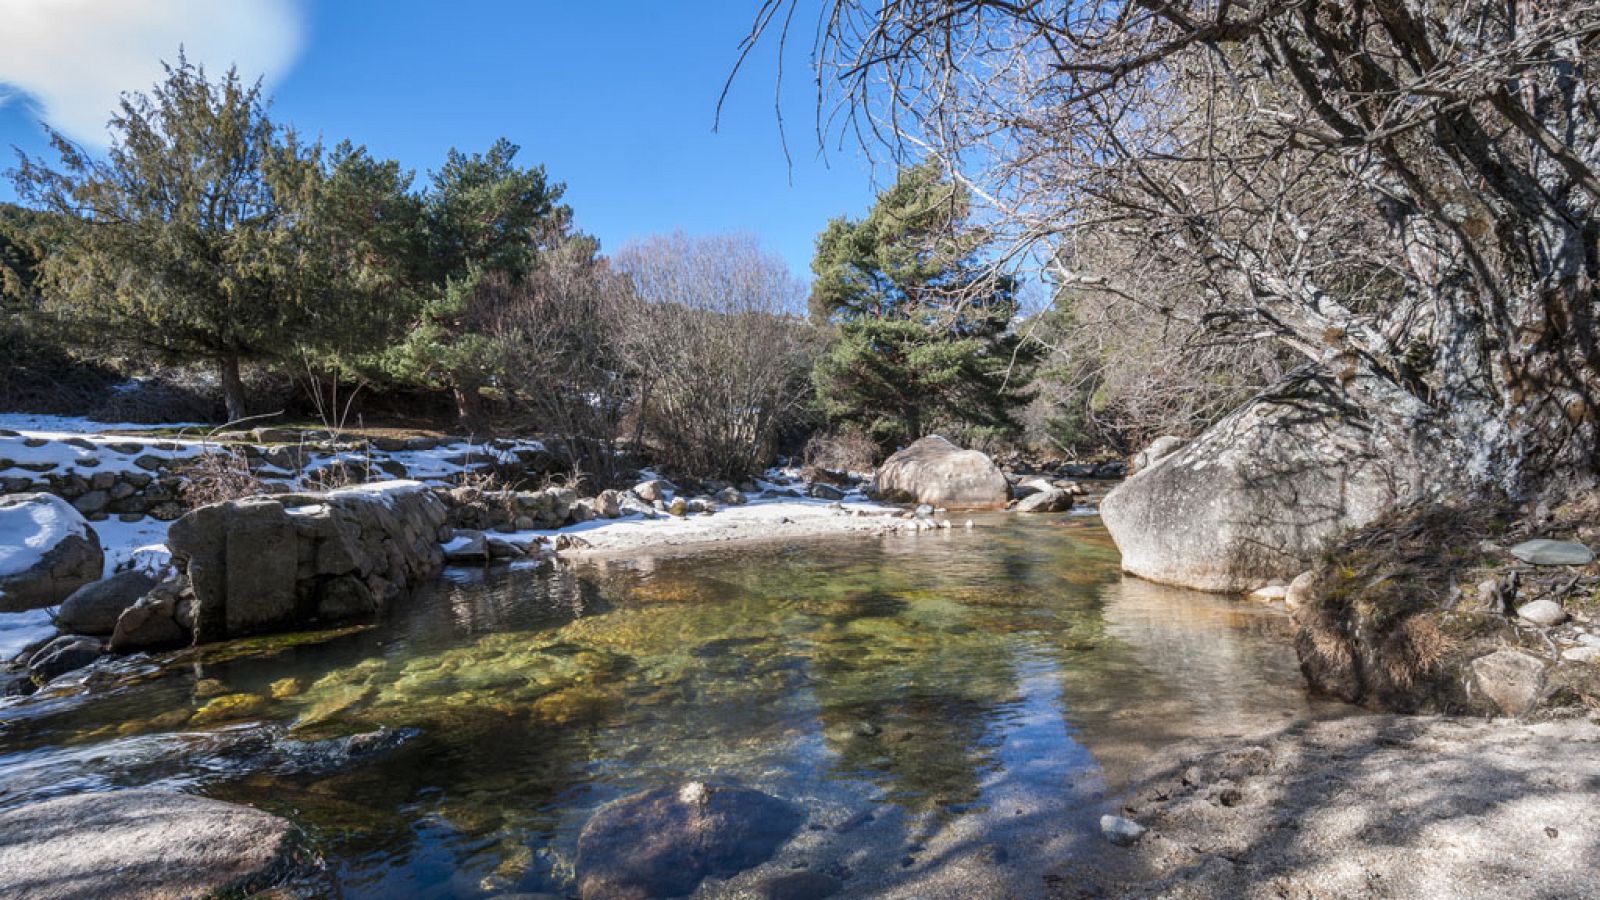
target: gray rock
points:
(471, 547)
(1159, 449)
(1299, 592)
(664, 842)
(160, 620)
(1542, 552)
(1544, 613)
(823, 491)
(1259, 495)
(731, 496)
(66, 653)
(1513, 680)
(95, 608)
(1050, 500)
(1120, 831)
(141, 843)
(655, 489)
(46, 576)
(92, 502)
(1584, 654)
(936, 472)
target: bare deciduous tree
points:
(722, 347)
(1402, 192)
(561, 337)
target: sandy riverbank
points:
(1371, 806)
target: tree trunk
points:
(232, 387)
(469, 406)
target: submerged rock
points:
(664, 842)
(141, 843)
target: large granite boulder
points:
(934, 471)
(274, 563)
(47, 551)
(142, 843)
(95, 607)
(1257, 496)
(664, 842)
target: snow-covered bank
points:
(759, 520)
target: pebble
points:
(1120, 831)
(1544, 613)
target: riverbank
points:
(1383, 805)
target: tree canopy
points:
(923, 325)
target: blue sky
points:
(615, 99)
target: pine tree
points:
(177, 240)
(923, 339)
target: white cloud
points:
(73, 58)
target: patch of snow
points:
(19, 630)
(140, 544)
(76, 425)
(29, 530)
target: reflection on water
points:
(916, 694)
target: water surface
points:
(922, 697)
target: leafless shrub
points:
(219, 474)
(840, 451)
(722, 350)
(565, 336)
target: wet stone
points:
(664, 842)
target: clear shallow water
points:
(917, 695)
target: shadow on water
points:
(953, 710)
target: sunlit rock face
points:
(937, 472)
(1256, 497)
(270, 563)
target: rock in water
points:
(1120, 831)
(1049, 500)
(937, 472)
(94, 608)
(1543, 552)
(47, 551)
(148, 844)
(663, 842)
(1257, 496)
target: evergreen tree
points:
(177, 240)
(923, 336)
(486, 219)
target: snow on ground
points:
(761, 519)
(90, 453)
(140, 544)
(74, 425)
(19, 630)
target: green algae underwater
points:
(912, 681)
